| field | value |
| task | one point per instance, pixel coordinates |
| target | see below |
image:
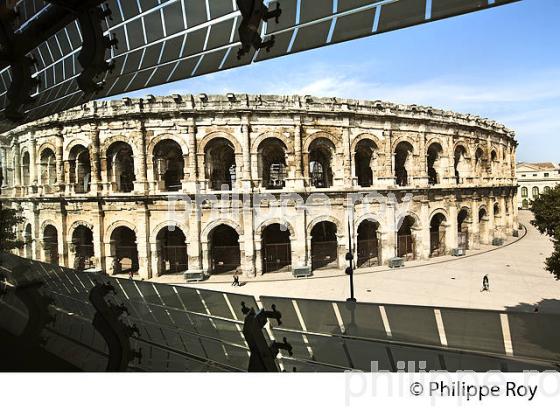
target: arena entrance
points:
(225, 255)
(437, 235)
(324, 246)
(50, 245)
(172, 251)
(124, 251)
(368, 245)
(276, 249)
(28, 242)
(406, 245)
(463, 230)
(82, 244)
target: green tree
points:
(8, 236)
(546, 211)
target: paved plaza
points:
(518, 280)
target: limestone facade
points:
(256, 183)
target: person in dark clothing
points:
(236, 279)
(485, 284)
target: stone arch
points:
(438, 223)
(417, 221)
(280, 221)
(166, 136)
(407, 139)
(219, 134)
(366, 136)
(371, 217)
(44, 146)
(322, 134)
(49, 222)
(75, 225)
(273, 162)
(288, 142)
(440, 211)
(221, 221)
(465, 145)
(439, 140)
(324, 218)
(166, 224)
(69, 146)
(118, 224)
(109, 141)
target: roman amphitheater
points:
(257, 184)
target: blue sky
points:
(502, 63)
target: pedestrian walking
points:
(485, 284)
(235, 280)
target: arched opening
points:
(276, 248)
(546, 189)
(28, 241)
(172, 250)
(535, 192)
(406, 244)
(82, 247)
(219, 157)
(26, 169)
(124, 251)
(80, 169)
(524, 192)
(321, 154)
(403, 163)
(368, 244)
(50, 244)
(48, 169)
(168, 166)
(364, 159)
(463, 229)
(479, 161)
(460, 164)
(435, 152)
(437, 235)
(525, 204)
(225, 255)
(272, 163)
(324, 246)
(120, 167)
(483, 225)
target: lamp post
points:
(350, 268)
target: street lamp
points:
(350, 268)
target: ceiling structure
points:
(56, 54)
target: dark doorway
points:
(463, 230)
(172, 251)
(406, 246)
(276, 248)
(220, 164)
(124, 250)
(437, 235)
(82, 246)
(50, 244)
(368, 245)
(324, 246)
(225, 255)
(364, 158)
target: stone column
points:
(194, 241)
(17, 170)
(99, 251)
(4, 162)
(37, 234)
(474, 236)
(422, 235)
(141, 183)
(60, 162)
(248, 263)
(299, 182)
(33, 165)
(420, 168)
(347, 159)
(143, 242)
(96, 179)
(491, 219)
(246, 147)
(451, 237)
(300, 251)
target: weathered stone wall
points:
(248, 123)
